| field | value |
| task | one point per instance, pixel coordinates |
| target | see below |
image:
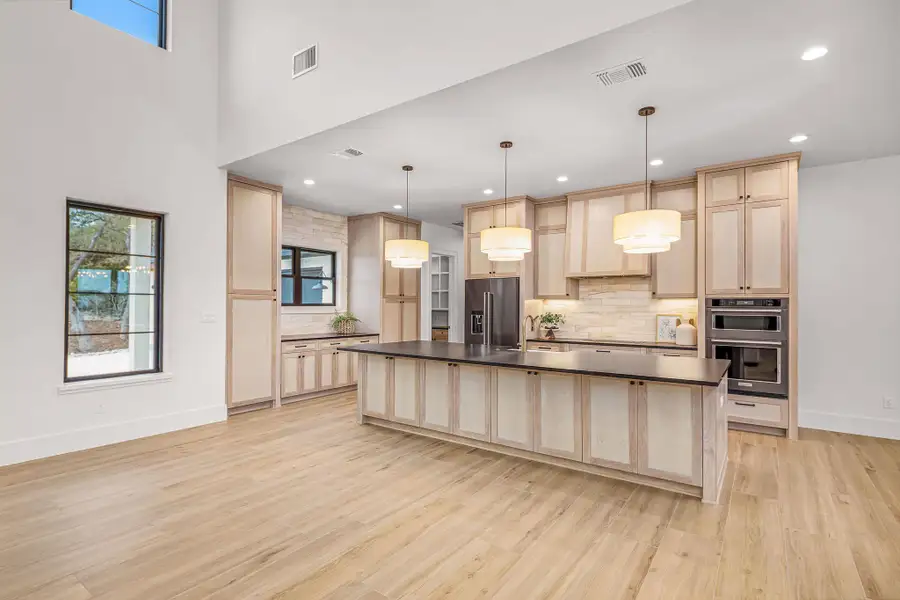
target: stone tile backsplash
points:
(621, 308)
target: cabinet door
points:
(342, 375)
(374, 387)
(409, 331)
(252, 252)
(354, 367)
(290, 375)
(392, 276)
(479, 265)
(479, 218)
(603, 256)
(436, 396)
(512, 215)
(725, 250)
(251, 345)
(409, 278)
(508, 268)
(725, 187)
(391, 325)
(675, 271)
(610, 422)
(405, 404)
(767, 255)
(550, 216)
(767, 182)
(326, 369)
(669, 432)
(472, 405)
(512, 409)
(634, 264)
(551, 278)
(308, 373)
(575, 238)
(558, 429)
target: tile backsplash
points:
(621, 308)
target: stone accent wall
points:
(321, 231)
(620, 308)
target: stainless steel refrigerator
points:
(492, 311)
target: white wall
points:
(850, 297)
(444, 240)
(92, 113)
(374, 55)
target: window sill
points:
(80, 387)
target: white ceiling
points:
(725, 75)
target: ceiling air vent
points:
(306, 60)
(458, 223)
(621, 73)
(347, 153)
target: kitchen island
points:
(653, 420)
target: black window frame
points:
(163, 21)
(298, 277)
(158, 300)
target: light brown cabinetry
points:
(590, 250)
(675, 271)
(437, 395)
(400, 283)
(400, 320)
(670, 422)
(557, 415)
(550, 252)
(610, 422)
(374, 386)
(512, 409)
(404, 390)
(517, 212)
(316, 367)
(471, 412)
(252, 301)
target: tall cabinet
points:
(550, 221)
(385, 299)
(675, 272)
(254, 223)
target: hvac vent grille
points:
(458, 223)
(622, 73)
(348, 153)
(306, 60)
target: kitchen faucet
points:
(524, 335)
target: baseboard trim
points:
(882, 428)
(23, 450)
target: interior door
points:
(767, 256)
(725, 250)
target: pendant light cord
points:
(646, 158)
(505, 183)
(406, 233)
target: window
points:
(144, 19)
(113, 292)
(307, 277)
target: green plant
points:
(344, 319)
(551, 319)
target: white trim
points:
(855, 424)
(79, 387)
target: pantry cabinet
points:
(674, 273)
(550, 252)
(590, 250)
(400, 283)
(517, 212)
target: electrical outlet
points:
(888, 403)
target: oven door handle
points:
(747, 311)
(747, 342)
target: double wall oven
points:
(753, 334)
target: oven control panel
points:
(747, 302)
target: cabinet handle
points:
(740, 197)
(748, 196)
(671, 355)
(630, 383)
(749, 404)
(641, 383)
(605, 352)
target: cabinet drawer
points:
(299, 346)
(328, 344)
(545, 346)
(372, 339)
(757, 411)
(670, 352)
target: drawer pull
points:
(605, 351)
(748, 404)
(545, 348)
(334, 344)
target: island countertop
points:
(684, 370)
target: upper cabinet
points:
(747, 224)
(550, 252)
(590, 250)
(400, 283)
(252, 238)
(516, 212)
(675, 271)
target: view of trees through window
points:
(112, 294)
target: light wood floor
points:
(304, 503)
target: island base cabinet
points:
(375, 375)
(405, 391)
(610, 422)
(472, 405)
(512, 409)
(670, 422)
(437, 393)
(557, 418)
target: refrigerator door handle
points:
(488, 317)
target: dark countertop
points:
(300, 337)
(667, 369)
(626, 343)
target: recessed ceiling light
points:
(814, 53)
(798, 138)
(488, 192)
(398, 206)
(309, 182)
(562, 178)
(656, 162)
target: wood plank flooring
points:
(302, 502)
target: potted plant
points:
(344, 322)
(550, 322)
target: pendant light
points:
(647, 231)
(406, 253)
(505, 244)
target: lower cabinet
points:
(670, 422)
(512, 408)
(404, 405)
(437, 395)
(326, 369)
(610, 422)
(298, 374)
(375, 383)
(557, 415)
(472, 402)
